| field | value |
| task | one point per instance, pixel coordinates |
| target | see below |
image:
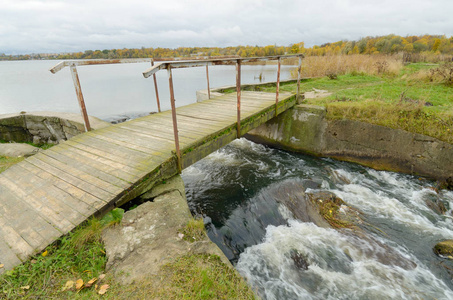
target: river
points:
(112, 91)
(232, 189)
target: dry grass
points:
(319, 66)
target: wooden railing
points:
(175, 64)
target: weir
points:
(49, 194)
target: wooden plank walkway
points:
(47, 195)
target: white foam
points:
(340, 267)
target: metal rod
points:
(238, 90)
(78, 89)
(155, 87)
(299, 69)
(207, 77)
(173, 114)
(278, 86)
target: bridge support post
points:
(238, 91)
(155, 87)
(299, 69)
(278, 85)
(78, 89)
(173, 114)
(207, 77)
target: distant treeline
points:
(427, 46)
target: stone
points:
(149, 236)
(444, 249)
(17, 150)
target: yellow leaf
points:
(1, 266)
(69, 285)
(79, 284)
(103, 289)
(45, 253)
(90, 283)
(26, 287)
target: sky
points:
(55, 26)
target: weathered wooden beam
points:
(78, 89)
(155, 87)
(173, 114)
(238, 91)
(90, 62)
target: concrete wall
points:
(305, 129)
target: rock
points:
(300, 261)
(44, 127)
(17, 150)
(444, 249)
(437, 206)
(149, 237)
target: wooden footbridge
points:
(49, 194)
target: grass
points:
(397, 99)
(194, 230)
(6, 162)
(80, 255)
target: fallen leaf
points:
(33, 261)
(103, 289)
(1, 266)
(26, 287)
(45, 253)
(90, 283)
(69, 285)
(79, 284)
(102, 276)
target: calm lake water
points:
(111, 90)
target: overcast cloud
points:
(50, 26)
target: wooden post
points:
(299, 69)
(173, 114)
(238, 91)
(155, 87)
(278, 86)
(78, 89)
(207, 77)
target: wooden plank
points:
(7, 256)
(58, 191)
(19, 218)
(116, 157)
(83, 176)
(187, 132)
(85, 200)
(147, 128)
(102, 195)
(61, 155)
(33, 192)
(21, 248)
(77, 154)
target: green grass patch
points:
(194, 230)
(409, 101)
(202, 276)
(78, 255)
(6, 162)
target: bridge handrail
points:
(212, 62)
(175, 63)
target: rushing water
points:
(112, 91)
(232, 190)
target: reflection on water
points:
(112, 90)
(233, 190)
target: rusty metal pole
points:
(299, 69)
(238, 91)
(207, 77)
(173, 114)
(155, 87)
(78, 89)
(278, 86)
